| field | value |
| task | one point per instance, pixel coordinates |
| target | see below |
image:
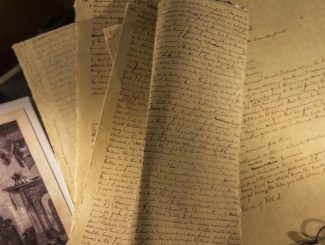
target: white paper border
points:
(24, 103)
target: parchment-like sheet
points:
(114, 177)
(48, 62)
(147, 183)
(283, 135)
(190, 177)
(84, 9)
(112, 37)
(93, 73)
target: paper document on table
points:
(143, 158)
(93, 68)
(48, 62)
(117, 139)
(283, 134)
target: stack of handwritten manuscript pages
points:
(185, 121)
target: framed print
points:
(35, 206)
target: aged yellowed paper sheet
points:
(173, 193)
(112, 37)
(84, 9)
(190, 177)
(93, 68)
(110, 197)
(48, 62)
(283, 134)
(93, 73)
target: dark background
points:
(20, 20)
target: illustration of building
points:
(34, 198)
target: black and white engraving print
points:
(27, 213)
